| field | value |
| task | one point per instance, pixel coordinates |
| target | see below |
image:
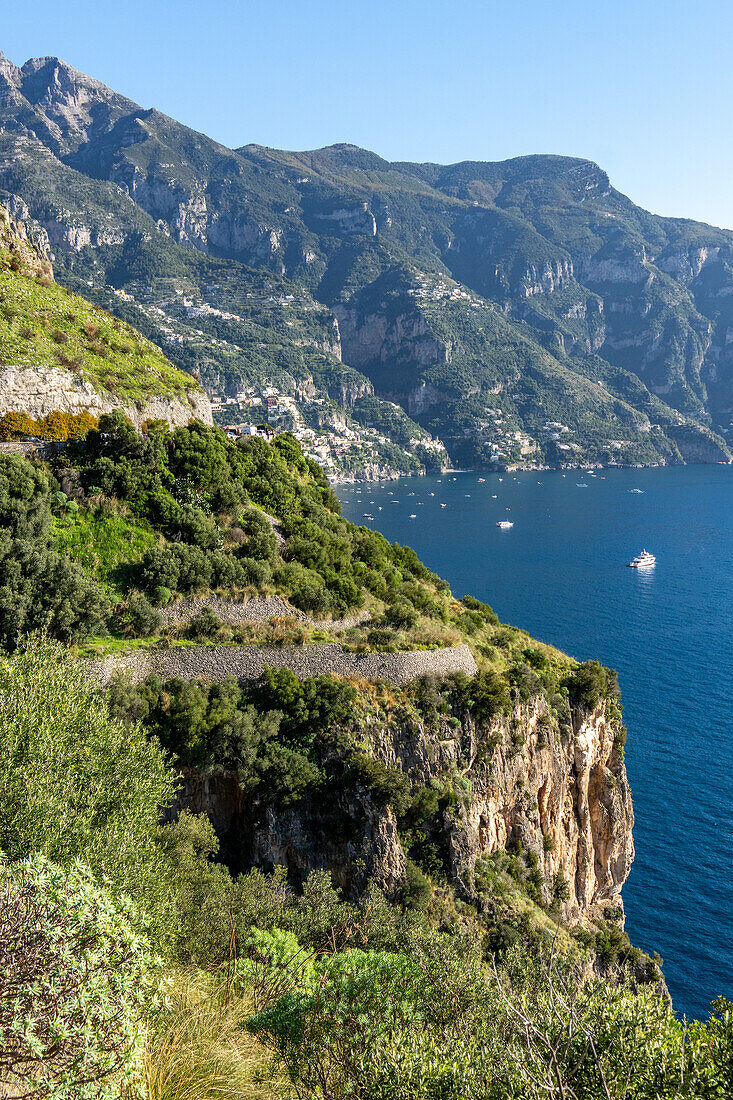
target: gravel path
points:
(248, 662)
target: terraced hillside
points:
(521, 312)
(368, 678)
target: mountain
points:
(64, 355)
(518, 311)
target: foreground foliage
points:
(355, 999)
(438, 1023)
(75, 782)
(77, 977)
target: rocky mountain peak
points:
(70, 106)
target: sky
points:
(643, 88)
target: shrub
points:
(137, 618)
(589, 683)
(161, 595)
(387, 786)
(416, 891)
(205, 625)
(254, 572)
(488, 696)
(401, 615)
(75, 781)
(77, 976)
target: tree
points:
(16, 424)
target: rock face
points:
(41, 390)
(562, 793)
(365, 848)
(31, 251)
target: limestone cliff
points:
(38, 391)
(558, 790)
(31, 251)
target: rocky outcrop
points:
(351, 219)
(299, 837)
(42, 390)
(30, 249)
(559, 792)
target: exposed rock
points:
(562, 795)
(31, 250)
(42, 390)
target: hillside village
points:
(344, 447)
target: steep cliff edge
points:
(555, 791)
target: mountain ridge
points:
(621, 316)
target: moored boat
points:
(643, 560)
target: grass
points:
(43, 324)
(103, 542)
(197, 1047)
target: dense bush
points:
(75, 782)
(56, 427)
(38, 587)
(590, 682)
(438, 1024)
(77, 976)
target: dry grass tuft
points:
(199, 1049)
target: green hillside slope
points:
(44, 324)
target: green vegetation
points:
(151, 958)
(76, 783)
(118, 516)
(78, 978)
(440, 1003)
(44, 324)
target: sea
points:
(561, 573)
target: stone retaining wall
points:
(258, 609)
(248, 662)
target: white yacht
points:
(505, 523)
(643, 560)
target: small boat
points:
(493, 496)
(442, 506)
(635, 490)
(481, 480)
(413, 515)
(643, 560)
(505, 523)
(581, 484)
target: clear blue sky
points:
(643, 87)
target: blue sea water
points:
(560, 572)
